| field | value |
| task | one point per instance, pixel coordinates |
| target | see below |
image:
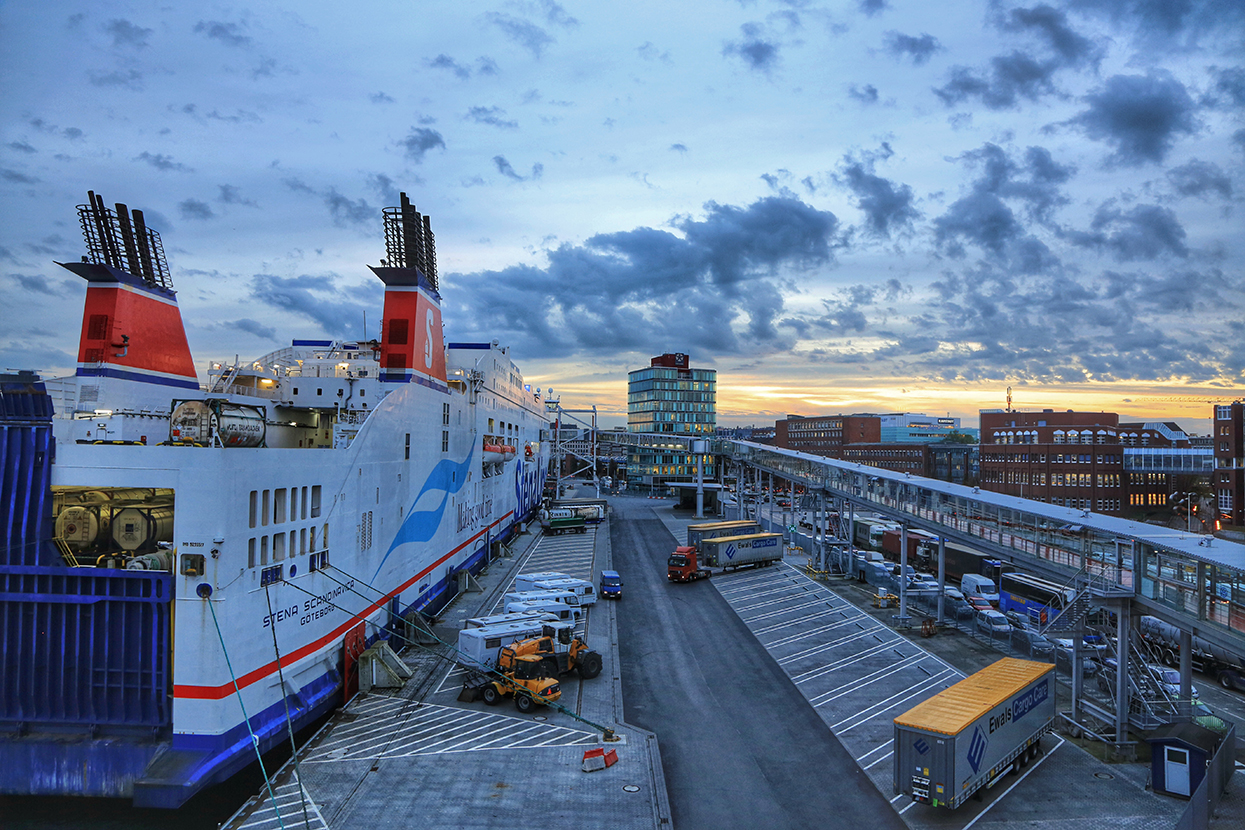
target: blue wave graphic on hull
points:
(421, 525)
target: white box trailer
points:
(581, 588)
(728, 552)
(966, 737)
(527, 582)
(498, 619)
(560, 610)
(479, 647)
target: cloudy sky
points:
(864, 205)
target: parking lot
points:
(859, 674)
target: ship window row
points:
(281, 505)
(278, 546)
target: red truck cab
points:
(684, 566)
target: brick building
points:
(826, 434)
(1085, 460)
(1228, 480)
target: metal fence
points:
(1206, 797)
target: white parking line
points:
(879, 760)
(1003, 795)
(886, 705)
(858, 683)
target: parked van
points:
(982, 586)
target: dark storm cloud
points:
(486, 65)
(983, 218)
(556, 15)
(1230, 85)
(506, 169)
(128, 79)
(526, 34)
(125, 33)
(22, 147)
(1200, 178)
(447, 63)
(162, 162)
(419, 141)
(649, 52)
(337, 309)
(195, 209)
(679, 148)
(1009, 79)
(918, 49)
(380, 98)
(1141, 116)
(252, 327)
(342, 209)
(867, 94)
(16, 176)
(1169, 20)
(34, 282)
(753, 48)
(229, 34)
(1056, 328)
(872, 7)
(230, 195)
(887, 206)
(1144, 232)
(385, 188)
(347, 211)
(491, 116)
(714, 288)
(1051, 26)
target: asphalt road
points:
(740, 745)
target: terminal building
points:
(669, 397)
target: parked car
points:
(1019, 620)
(1090, 665)
(1029, 642)
(993, 624)
(978, 602)
(961, 610)
(1169, 680)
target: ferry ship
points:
(189, 571)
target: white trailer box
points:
(564, 597)
(527, 582)
(498, 619)
(567, 613)
(581, 588)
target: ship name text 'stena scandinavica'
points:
(174, 555)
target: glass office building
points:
(669, 397)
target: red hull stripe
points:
(224, 690)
